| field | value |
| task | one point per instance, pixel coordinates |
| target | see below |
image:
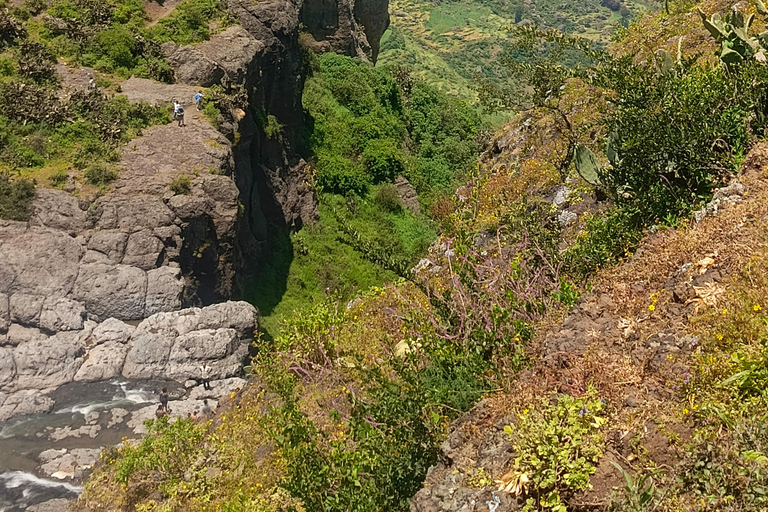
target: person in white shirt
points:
(205, 375)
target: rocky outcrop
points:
(168, 345)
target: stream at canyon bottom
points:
(85, 415)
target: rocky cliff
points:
(148, 245)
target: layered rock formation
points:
(165, 346)
(188, 213)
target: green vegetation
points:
(114, 37)
(181, 184)
(558, 469)
(449, 44)
(15, 196)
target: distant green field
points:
(449, 43)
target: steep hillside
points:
(585, 333)
(449, 43)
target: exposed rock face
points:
(165, 345)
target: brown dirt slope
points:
(635, 337)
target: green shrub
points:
(181, 184)
(16, 194)
(340, 175)
(35, 61)
(188, 23)
(100, 174)
(167, 449)
(212, 113)
(557, 447)
(383, 160)
(113, 50)
(388, 198)
(605, 239)
(272, 127)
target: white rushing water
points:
(22, 439)
(25, 489)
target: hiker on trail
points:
(199, 100)
(164, 400)
(205, 375)
(160, 412)
(178, 113)
(206, 410)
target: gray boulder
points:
(165, 287)
(110, 243)
(37, 261)
(103, 362)
(111, 291)
(26, 308)
(112, 330)
(192, 66)
(143, 250)
(58, 210)
(69, 464)
(24, 402)
(238, 315)
(47, 363)
(18, 334)
(114, 211)
(59, 314)
(148, 356)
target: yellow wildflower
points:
(652, 307)
(757, 307)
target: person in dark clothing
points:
(164, 400)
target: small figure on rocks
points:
(206, 410)
(205, 375)
(164, 400)
(199, 100)
(178, 113)
(91, 84)
(160, 412)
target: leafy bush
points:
(272, 127)
(16, 194)
(605, 239)
(557, 447)
(35, 61)
(340, 175)
(10, 29)
(100, 174)
(383, 160)
(167, 448)
(188, 23)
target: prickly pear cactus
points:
(587, 165)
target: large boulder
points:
(48, 363)
(37, 261)
(111, 291)
(103, 362)
(148, 356)
(23, 403)
(165, 287)
(59, 314)
(58, 210)
(112, 330)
